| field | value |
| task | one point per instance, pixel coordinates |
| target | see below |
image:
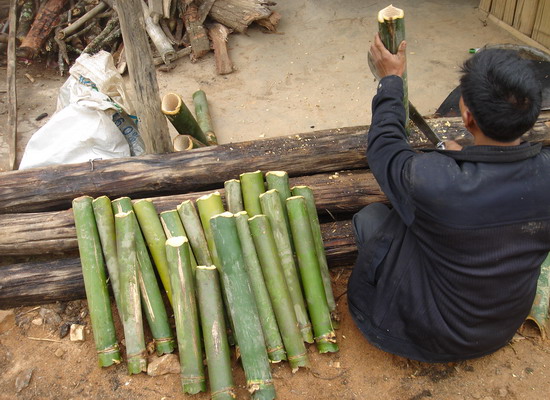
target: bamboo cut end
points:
(295, 198)
(182, 143)
(176, 241)
(183, 204)
(245, 174)
(269, 193)
(100, 198)
(82, 199)
(171, 104)
(142, 201)
(207, 267)
(207, 197)
(225, 214)
(256, 217)
(243, 213)
(390, 13)
(280, 174)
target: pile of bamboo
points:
(255, 275)
(62, 30)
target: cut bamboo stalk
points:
(252, 186)
(130, 310)
(539, 310)
(272, 207)
(155, 238)
(278, 180)
(151, 296)
(233, 196)
(195, 233)
(179, 115)
(210, 205)
(105, 221)
(216, 346)
(311, 275)
(273, 341)
(307, 194)
(203, 117)
(391, 27)
(173, 227)
(278, 291)
(186, 142)
(242, 307)
(186, 315)
(95, 282)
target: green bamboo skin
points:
(195, 233)
(539, 310)
(311, 275)
(179, 115)
(132, 320)
(208, 206)
(172, 225)
(105, 221)
(273, 340)
(242, 307)
(155, 238)
(203, 117)
(252, 186)
(95, 282)
(233, 196)
(307, 194)
(391, 27)
(186, 315)
(278, 291)
(278, 180)
(273, 209)
(216, 345)
(151, 296)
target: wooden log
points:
(197, 33)
(153, 125)
(53, 188)
(239, 14)
(53, 233)
(11, 133)
(61, 280)
(218, 34)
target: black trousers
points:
(367, 221)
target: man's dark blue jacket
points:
(452, 273)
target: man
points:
(450, 272)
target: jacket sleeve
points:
(388, 153)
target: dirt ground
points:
(310, 75)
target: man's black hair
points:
(502, 93)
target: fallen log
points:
(239, 14)
(200, 44)
(30, 234)
(61, 280)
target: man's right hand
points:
(385, 62)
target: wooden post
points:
(153, 125)
(12, 93)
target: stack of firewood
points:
(59, 30)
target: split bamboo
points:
(95, 282)
(203, 117)
(186, 315)
(278, 291)
(179, 115)
(252, 186)
(195, 233)
(278, 180)
(311, 275)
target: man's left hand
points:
(385, 62)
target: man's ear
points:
(468, 118)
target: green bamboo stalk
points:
(186, 142)
(278, 291)
(273, 209)
(186, 315)
(195, 233)
(391, 27)
(203, 117)
(307, 194)
(132, 320)
(179, 115)
(252, 186)
(242, 307)
(311, 275)
(539, 310)
(155, 238)
(210, 205)
(151, 296)
(278, 180)
(216, 346)
(172, 225)
(273, 341)
(233, 196)
(105, 221)
(95, 282)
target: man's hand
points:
(452, 145)
(385, 62)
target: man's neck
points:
(481, 140)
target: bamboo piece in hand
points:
(186, 315)
(130, 310)
(391, 27)
(203, 117)
(233, 196)
(216, 346)
(105, 221)
(172, 225)
(242, 307)
(272, 207)
(307, 194)
(278, 180)
(155, 238)
(151, 296)
(195, 233)
(179, 115)
(311, 275)
(278, 291)
(273, 341)
(95, 282)
(209, 206)
(252, 186)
